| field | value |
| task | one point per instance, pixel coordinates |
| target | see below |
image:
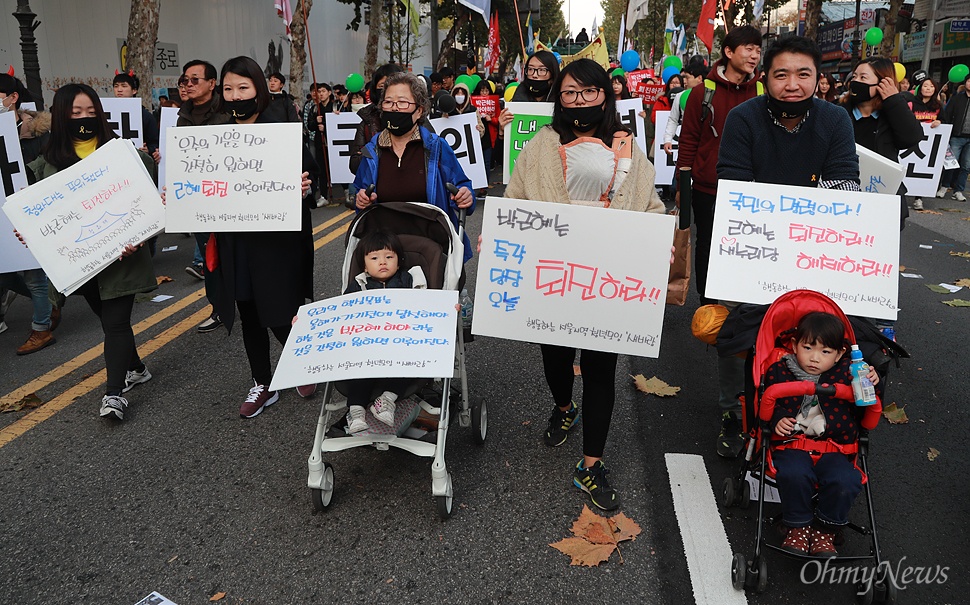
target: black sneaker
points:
(731, 440)
(211, 324)
(559, 424)
(593, 481)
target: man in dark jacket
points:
(957, 112)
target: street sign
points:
(962, 25)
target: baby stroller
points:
(429, 240)
(773, 342)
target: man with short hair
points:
(957, 113)
(126, 87)
(693, 75)
(284, 99)
(447, 78)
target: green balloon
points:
(959, 73)
(873, 36)
(618, 72)
(355, 83)
(475, 81)
(464, 79)
(683, 99)
(673, 61)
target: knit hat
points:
(707, 322)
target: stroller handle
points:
(800, 388)
(461, 211)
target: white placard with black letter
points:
(169, 119)
(666, 164)
(629, 110)
(14, 256)
(461, 133)
(876, 173)
(923, 163)
(124, 117)
(341, 130)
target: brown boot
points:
(36, 341)
(55, 318)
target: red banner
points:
(650, 92)
(486, 105)
(492, 50)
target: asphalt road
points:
(187, 499)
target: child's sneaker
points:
(798, 540)
(823, 544)
(593, 481)
(559, 424)
(357, 420)
(383, 409)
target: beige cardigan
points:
(538, 176)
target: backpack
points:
(706, 106)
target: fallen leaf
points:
(654, 386)
(965, 282)
(596, 537)
(585, 519)
(576, 371)
(930, 212)
(584, 553)
(961, 254)
(965, 218)
(894, 414)
(956, 302)
(951, 210)
(597, 534)
(172, 559)
(28, 402)
(161, 279)
(902, 268)
(218, 596)
(624, 527)
(932, 454)
(937, 289)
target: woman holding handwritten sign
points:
(587, 157)
(266, 275)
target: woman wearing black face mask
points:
(541, 72)
(267, 275)
(78, 128)
(585, 157)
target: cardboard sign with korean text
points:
(461, 133)
(664, 163)
(770, 239)
(14, 256)
(629, 110)
(545, 275)
(487, 105)
(923, 164)
(124, 117)
(341, 130)
(528, 119)
(876, 173)
(236, 177)
(389, 333)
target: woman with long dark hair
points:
(266, 275)
(541, 72)
(620, 89)
(78, 128)
(585, 157)
(927, 108)
(826, 88)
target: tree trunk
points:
(142, 37)
(889, 29)
(298, 49)
(813, 10)
(449, 42)
(373, 37)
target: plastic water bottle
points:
(467, 308)
(865, 393)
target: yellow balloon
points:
(491, 85)
(509, 91)
(900, 71)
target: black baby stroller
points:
(429, 241)
(757, 472)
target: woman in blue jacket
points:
(408, 163)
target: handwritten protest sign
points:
(124, 118)
(666, 164)
(770, 239)
(634, 80)
(341, 130)
(392, 333)
(169, 119)
(237, 177)
(78, 221)
(545, 276)
(629, 110)
(487, 105)
(528, 119)
(923, 164)
(461, 133)
(878, 174)
(14, 256)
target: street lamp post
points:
(28, 46)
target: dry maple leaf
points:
(924, 211)
(218, 596)
(654, 386)
(583, 552)
(894, 414)
(932, 454)
(161, 279)
(28, 402)
(624, 527)
(965, 282)
(576, 370)
(596, 537)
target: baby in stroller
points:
(814, 436)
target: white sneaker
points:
(942, 192)
(358, 420)
(918, 204)
(133, 377)
(958, 196)
(383, 409)
(112, 405)
(3, 327)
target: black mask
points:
(397, 122)
(241, 110)
(788, 109)
(538, 88)
(860, 92)
(584, 118)
(85, 129)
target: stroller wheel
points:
(864, 593)
(445, 502)
(728, 493)
(744, 498)
(762, 576)
(887, 589)
(480, 421)
(321, 497)
(739, 568)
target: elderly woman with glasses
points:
(406, 162)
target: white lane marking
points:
(705, 542)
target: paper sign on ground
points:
(528, 119)
(168, 119)
(923, 164)
(545, 275)
(665, 164)
(156, 599)
(770, 239)
(461, 133)
(393, 333)
(13, 255)
(237, 177)
(878, 174)
(78, 221)
(629, 110)
(341, 130)
(124, 118)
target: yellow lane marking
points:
(335, 219)
(326, 239)
(92, 382)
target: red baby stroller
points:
(757, 472)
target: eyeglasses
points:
(536, 71)
(589, 95)
(185, 80)
(405, 105)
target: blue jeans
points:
(837, 481)
(960, 148)
(32, 284)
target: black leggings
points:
(599, 389)
(120, 354)
(256, 339)
(703, 206)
